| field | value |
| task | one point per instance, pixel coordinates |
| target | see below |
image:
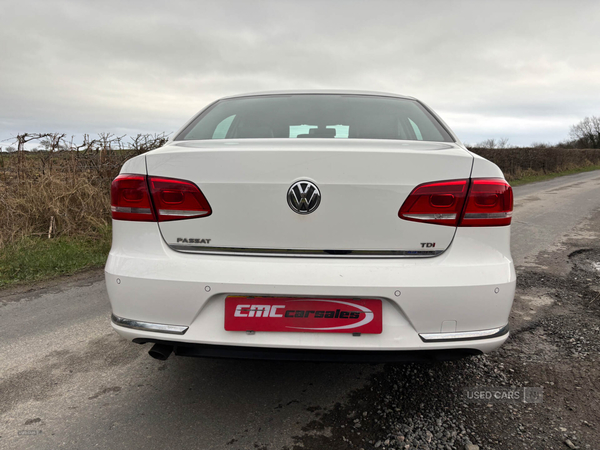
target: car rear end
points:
(399, 250)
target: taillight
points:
(489, 202)
(130, 200)
(440, 202)
(142, 198)
(177, 199)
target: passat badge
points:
(303, 197)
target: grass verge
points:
(35, 259)
(548, 176)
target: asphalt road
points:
(68, 381)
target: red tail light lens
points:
(177, 199)
(173, 199)
(490, 203)
(440, 203)
(129, 199)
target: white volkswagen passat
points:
(312, 225)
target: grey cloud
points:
(147, 66)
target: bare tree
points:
(503, 143)
(493, 143)
(587, 132)
(23, 139)
(51, 143)
(143, 143)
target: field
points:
(55, 204)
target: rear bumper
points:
(467, 289)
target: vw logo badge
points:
(303, 197)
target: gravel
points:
(424, 406)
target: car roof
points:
(319, 91)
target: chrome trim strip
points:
(464, 335)
(306, 253)
(148, 326)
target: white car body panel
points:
(358, 179)
(469, 286)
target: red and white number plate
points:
(317, 315)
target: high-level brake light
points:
(489, 202)
(151, 199)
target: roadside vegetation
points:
(525, 179)
(33, 258)
(55, 193)
(55, 202)
(525, 165)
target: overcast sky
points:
(522, 70)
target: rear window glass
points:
(323, 116)
(222, 128)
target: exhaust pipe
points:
(160, 351)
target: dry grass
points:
(79, 207)
(68, 188)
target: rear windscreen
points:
(322, 116)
